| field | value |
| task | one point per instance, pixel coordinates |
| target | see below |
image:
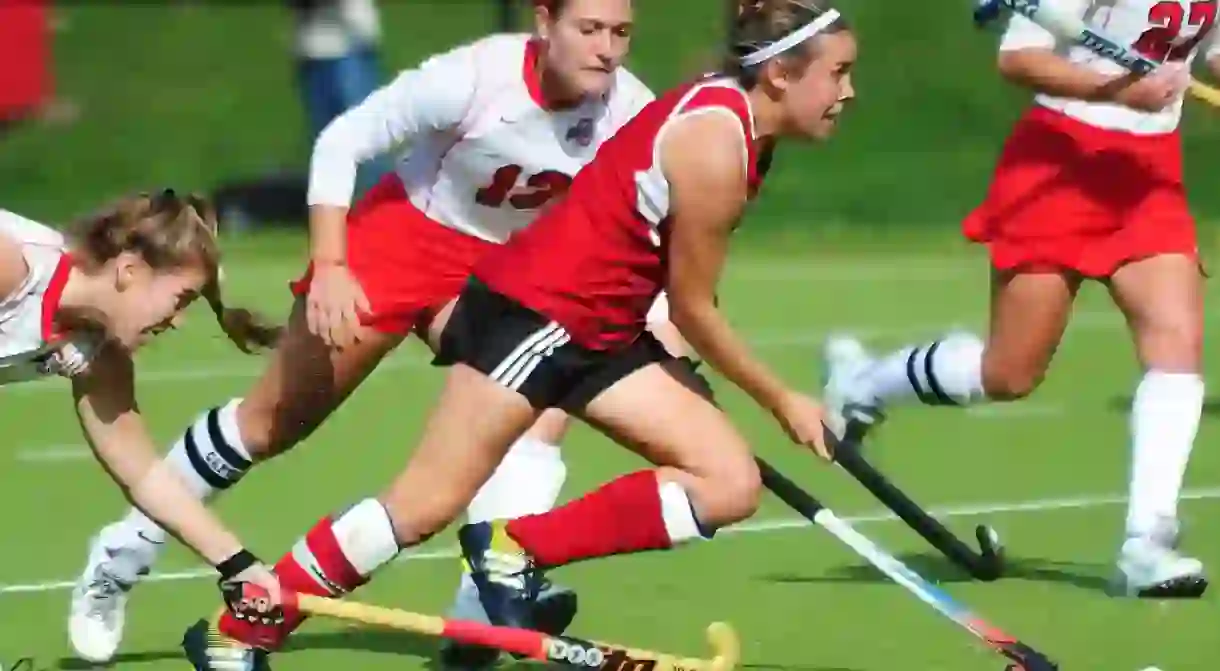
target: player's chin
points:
(593, 83)
(822, 128)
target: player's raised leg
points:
(706, 479)
(1162, 299)
(528, 482)
(1029, 312)
(305, 381)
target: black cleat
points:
(511, 592)
(1184, 587)
(209, 650)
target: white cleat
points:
(1151, 569)
(845, 362)
(99, 599)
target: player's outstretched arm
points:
(106, 406)
(703, 158)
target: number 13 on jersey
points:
(539, 188)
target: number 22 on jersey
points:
(1168, 18)
(539, 188)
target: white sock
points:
(948, 371)
(1164, 420)
(209, 457)
(679, 515)
(341, 553)
(527, 482)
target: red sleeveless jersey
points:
(595, 261)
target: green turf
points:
(799, 599)
(195, 94)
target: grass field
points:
(1049, 473)
(192, 95)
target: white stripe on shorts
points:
(516, 368)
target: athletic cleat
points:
(1152, 570)
(845, 363)
(553, 612)
(209, 650)
(99, 600)
(510, 592)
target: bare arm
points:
(106, 406)
(703, 160)
(1044, 71)
(1030, 57)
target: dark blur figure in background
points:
(336, 54)
(338, 63)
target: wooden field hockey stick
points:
(565, 650)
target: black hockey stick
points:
(1022, 657)
(986, 564)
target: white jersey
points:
(485, 154)
(1162, 30)
(29, 347)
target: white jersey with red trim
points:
(485, 154)
(29, 348)
(1162, 30)
(595, 262)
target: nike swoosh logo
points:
(146, 539)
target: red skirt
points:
(1070, 196)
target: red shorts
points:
(1067, 195)
(409, 266)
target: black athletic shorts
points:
(532, 355)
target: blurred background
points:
(101, 98)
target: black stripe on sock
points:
(933, 384)
(924, 396)
(199, 463)
(222, 446)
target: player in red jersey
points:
(556, 318)
(1088, 187)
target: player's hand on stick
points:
(334, 305)
(1156, 91)
(801, 418)
(253, 593)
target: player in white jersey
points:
(496, 130)
(1088, 187)
(79, 307)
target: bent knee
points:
(1004, 381)
(1175, 345)
(730, 493)
(270, 429)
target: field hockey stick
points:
(1075, 30)
(565, 650)
(986, 564)
(1021, 656)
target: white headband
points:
(792, 39)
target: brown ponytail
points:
(170, 232)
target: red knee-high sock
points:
(335, 557)
(634, 513)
